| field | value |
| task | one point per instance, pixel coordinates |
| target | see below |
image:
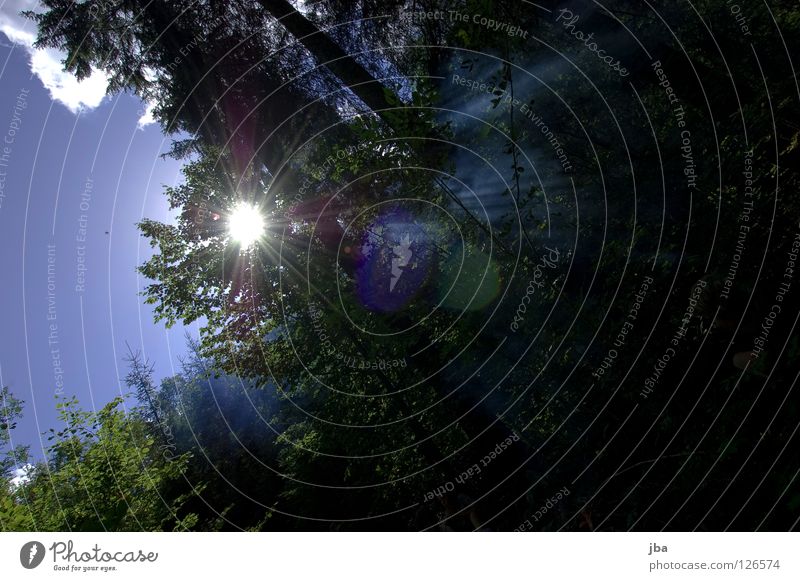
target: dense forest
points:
(516, 266)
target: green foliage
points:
(273, 129)
(10, 412)
(104, 473)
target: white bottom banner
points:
(381, 556)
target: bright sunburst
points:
(245, 224)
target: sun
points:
(245, 224)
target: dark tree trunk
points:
(329, 54)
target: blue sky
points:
(77, 171)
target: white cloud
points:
(47, 64)
(21, 475)
(63, 87)
(147, 117)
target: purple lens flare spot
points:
(396, 259)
